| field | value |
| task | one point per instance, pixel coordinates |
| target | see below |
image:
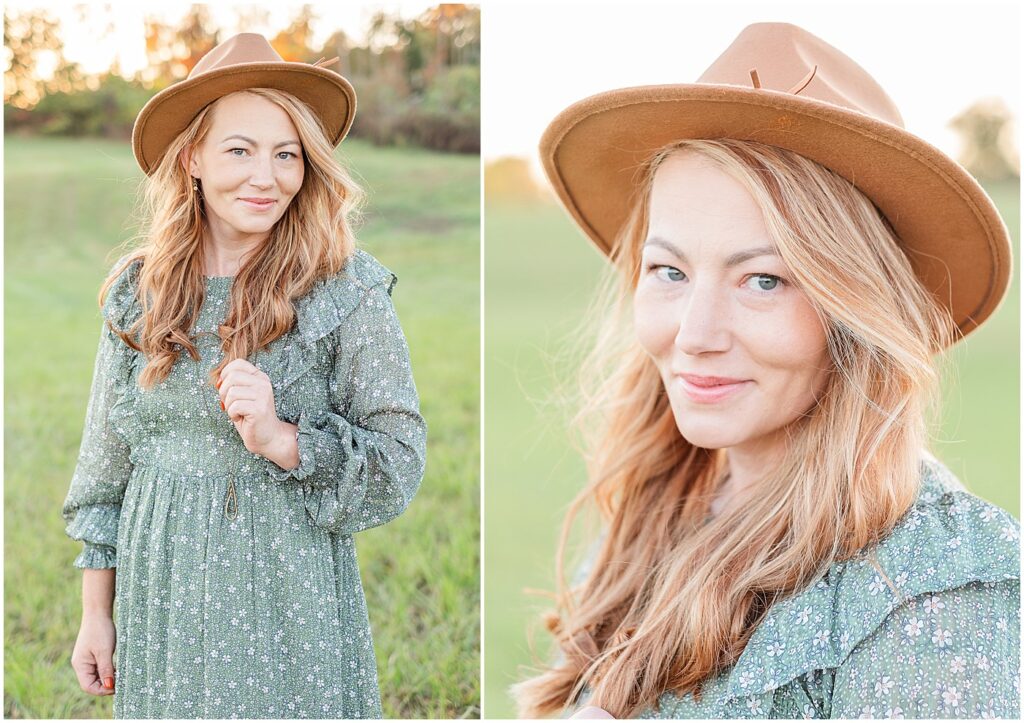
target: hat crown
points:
(241, 48)
(785, 56)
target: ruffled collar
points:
(948, 539)
(318, 312)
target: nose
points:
(704, 321)
(262, 172)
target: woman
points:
(777, 542)
(224, 485)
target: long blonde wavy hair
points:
(312, 240)
(672, 597)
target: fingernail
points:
(108, 682)
(222, 406)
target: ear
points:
(187, 161)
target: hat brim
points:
(952, 233)
(169, 112)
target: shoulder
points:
(121, 302)
(950, 537)
(362, 282)
(366, 272)
(950, 540)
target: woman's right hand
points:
(93, 657)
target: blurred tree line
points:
(417, 80)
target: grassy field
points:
(67, 204)
(531, 471)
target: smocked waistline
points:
(252, 466)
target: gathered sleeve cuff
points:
(307, 444)
(96, 557)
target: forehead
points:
(251, 116)
(701, 208)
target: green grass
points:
(540, 275)
(67, 205)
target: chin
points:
(710, 441)
(709, 434)
(251, 227)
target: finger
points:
(85, 672)
(90, 680)
(97, 688)
(242, 377)
(240, 408)
(240, 365)
(105, 669)
(240, 393)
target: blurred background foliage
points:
(417, 79)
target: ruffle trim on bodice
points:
(948, 539)
(121, 308)
(325, 307)
(318, 314)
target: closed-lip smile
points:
(258, 200)
(701, 381)
(707, 389)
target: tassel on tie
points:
(231, 501)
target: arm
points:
(93, 503)
(361, 463)
(951, 654)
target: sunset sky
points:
(127, 42)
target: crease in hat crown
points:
(245, 60)
(841, 118)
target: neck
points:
(223, 253)
(746, 466)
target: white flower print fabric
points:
(944, 644)
(262, 615)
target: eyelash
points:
(232, 150)
(654, 268)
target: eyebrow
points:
(250, 141)
(732, 260)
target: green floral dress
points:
(947, 645)
(248, 605)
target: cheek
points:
(795, 346)
(654, 324)
(293, 180)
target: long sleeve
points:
(951, 654)
(92, 507)
(361, 463)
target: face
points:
(251, 152)
(741, 351)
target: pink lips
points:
(257, 205)
(708, 390)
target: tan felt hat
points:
(780, 85)
(246, 60)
